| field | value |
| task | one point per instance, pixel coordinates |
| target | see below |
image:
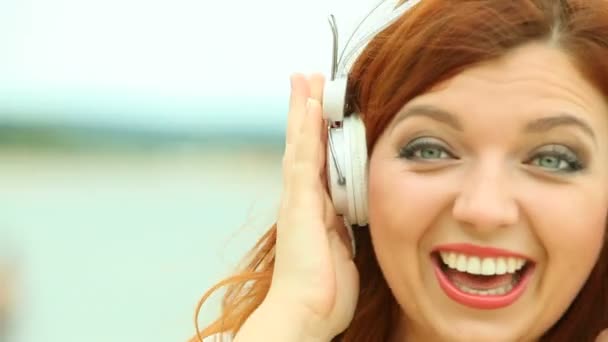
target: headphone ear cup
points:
(356, 164)
(335, 159)
(349, 195)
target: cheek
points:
(570, 225)
(569, 222)
(403, 205)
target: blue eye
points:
(425, 149)
(557, 158)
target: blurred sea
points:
(140, 155)
(115, 236)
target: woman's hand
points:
(315, 283)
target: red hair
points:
(432, 42)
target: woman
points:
(487, 132)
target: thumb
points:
(603, 336)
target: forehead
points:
(532, 80)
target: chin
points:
(470, 331)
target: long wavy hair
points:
(431, 42)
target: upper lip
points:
(480, 251)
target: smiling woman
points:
(500, 171)
(486, 123)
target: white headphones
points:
(347, 159)
(346, 155)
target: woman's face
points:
(488, 199)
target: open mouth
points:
(482, 282)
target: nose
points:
(485, 200)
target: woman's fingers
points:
(300, 92)
(305, 188)
(316, 82)
(336, 223)
(302, 189)
(300, 225)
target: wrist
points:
(276, 320)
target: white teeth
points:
(474, 265)
(492, 292)
(461, 263)
(488, 266)
(501, 266)
(452, 258)
(511, 265)
(478, 265)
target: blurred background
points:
(140, 148)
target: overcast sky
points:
(161, 62)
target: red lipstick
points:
(479, 251)
(480, 298)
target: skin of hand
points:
(315, 283)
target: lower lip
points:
(488, 302)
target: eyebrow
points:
(546, 124)
(431, 112)
(537, 126)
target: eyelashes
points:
(554, 158)
(425, 149)
(558, 158)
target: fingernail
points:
(603, 336)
